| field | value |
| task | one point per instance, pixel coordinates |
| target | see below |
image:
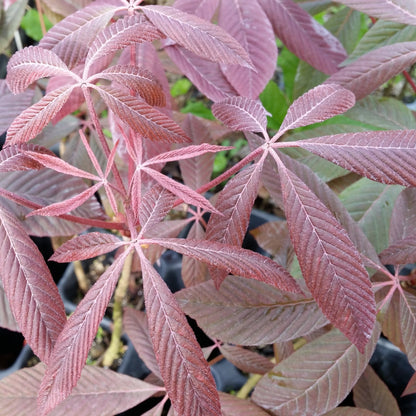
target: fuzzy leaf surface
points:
(401, 252)
(374, 68)
(330, 263)
(99, 391)
(241, 114)
(247, 312)
(204, 39)
(307, 382)
(137, 329)
(32, 121)
(71, 349)
(140, 80)
(403, 11)
(304, 36)
(70, 38)
(235, 260)
(124, 32)
(318, 104)
(246, 21)
(86, 246)
(142, 117)
(371, 393)
(13, 158)
(384, 156)
(29, 287)
(185, 372)
(32, 63)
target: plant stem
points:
(119, 295)
(81, 276)
(249, 385)
(41, 19)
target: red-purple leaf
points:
(304, 36)
(330, 263)
(241, 114)
(142, 117)
(185, 372)
(246, 360)
(29, 287)
(374, 68)
(197, 35)
(80, 29)
(205, 75)
(402, 11)
(181, 191)
(13, 158)
(318, 104)
(403, 218)
(350, 411)
(401, 252)
(371, 393)
(139, 80)
(383, 156)
(408, 325)
(234, 406)
(248, 312)
(235, 260)
(312, 383)
(12, 105)
(32, 121)
(71, 349)
(99, 391)
(411, 386)
(235, 203)
(136, 327)
(204, 9)
(30, 64)
(86, 246)
(64, 207)
(119, 35)
(246, 21)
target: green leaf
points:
(276, 103)
(199, 109)
(31, 24)
(10, 22)
(370, 204)
(382, 33)
(289, 63)
(180, 87)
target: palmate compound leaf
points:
(31, 122)
(29, 287)
(235, 203)
(383, 156)
(86, 246)
(32, 63)
(403, 11)
(246, 21)
(304, 36)
(139, 80)
(241, 114)
(329, 261)
(71, 37)
(247, 312)
(318, 104)
(142, 117)
(185, 372)
(310, 382)
(371, 393)
(71, 348)
(99, 391)
(374, 68)
(124, 32)
(235, 260)
(201, 37)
